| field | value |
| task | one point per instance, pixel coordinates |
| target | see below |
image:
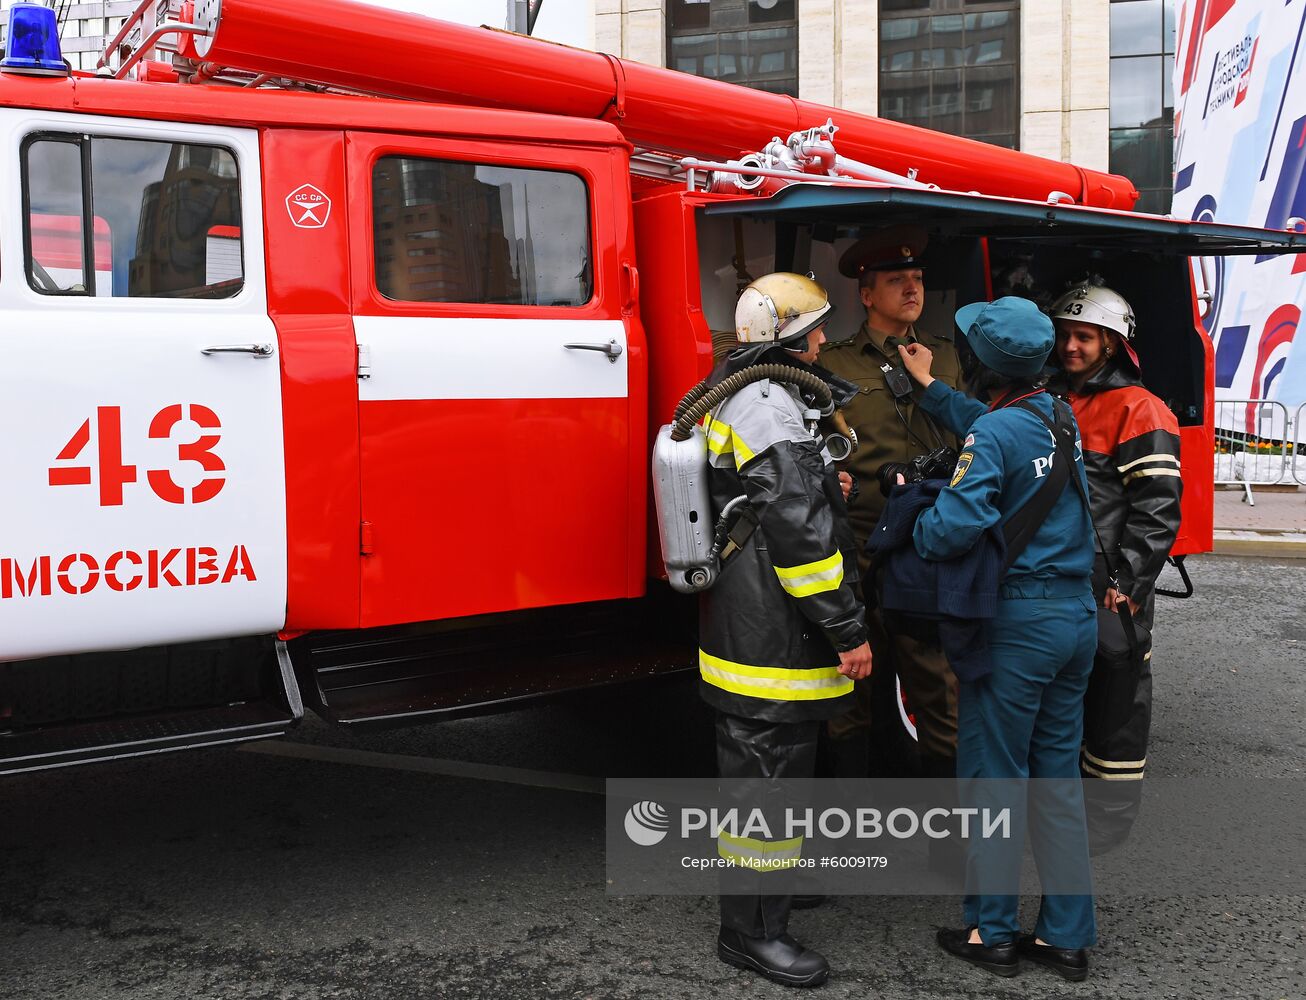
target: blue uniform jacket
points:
(1005, 455)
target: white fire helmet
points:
(780, 307)
(1096, 304)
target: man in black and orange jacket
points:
(1131, 455)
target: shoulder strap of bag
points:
(1063, 432)
(1024, 524)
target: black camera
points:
(938, 464)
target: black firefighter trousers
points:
(755, 748)
(1113, 761)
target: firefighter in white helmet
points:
(1131, 455)
(781, 633)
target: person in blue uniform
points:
(1025, 718)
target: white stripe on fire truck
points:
(454, 357)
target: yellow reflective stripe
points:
(811, 568)
(1147, 458)
(722, 439)
(775, 691)
(779, 673)
(1114, 763)
(760, 855)
(793, 845)
(718, 435)
(812, 578)
(743, 453)
(773, 683)
(1109, 776)
(1152, 472)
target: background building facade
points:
(1081, 80)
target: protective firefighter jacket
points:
(1131, 455)
(1131, 451)
(785, 602)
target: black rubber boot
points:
(781, 960)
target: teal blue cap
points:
(1011, 335)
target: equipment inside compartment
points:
(1157, 286)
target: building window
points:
(505, 235)
(749, 42)
(1142, 98)
(953, 66)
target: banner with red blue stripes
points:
(1240, 157)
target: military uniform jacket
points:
(1131, 452)
(785, 602)
(882, 435)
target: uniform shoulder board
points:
(945, 336)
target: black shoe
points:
(781, 960)
(1070, 962)
(807, 901)
(999, 959)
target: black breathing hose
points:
(696, 403)
(689, 399)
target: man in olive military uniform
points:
(891, 427)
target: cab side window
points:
(131, 218)
(446, 231)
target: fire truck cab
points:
(347, 400)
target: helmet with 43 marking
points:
(1096, 304)
(1091, 302)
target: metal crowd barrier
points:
(1299, 445)
(1255, 444)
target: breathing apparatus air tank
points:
(684, 509)
(691, 533)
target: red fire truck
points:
(336, 339)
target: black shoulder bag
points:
(1123, 645)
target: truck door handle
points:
(630, 285)
(612, 349)
(258, 350)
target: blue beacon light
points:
(32, 42)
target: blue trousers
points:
(1026, 720)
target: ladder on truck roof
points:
(333, 46)
(808, 155)
(157, 43)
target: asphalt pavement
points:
(466, 859)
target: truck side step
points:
(403, 675)
(112, 740)
(79, 709)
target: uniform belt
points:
(1058, 586)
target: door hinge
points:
(364, 361)
(365, 538)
